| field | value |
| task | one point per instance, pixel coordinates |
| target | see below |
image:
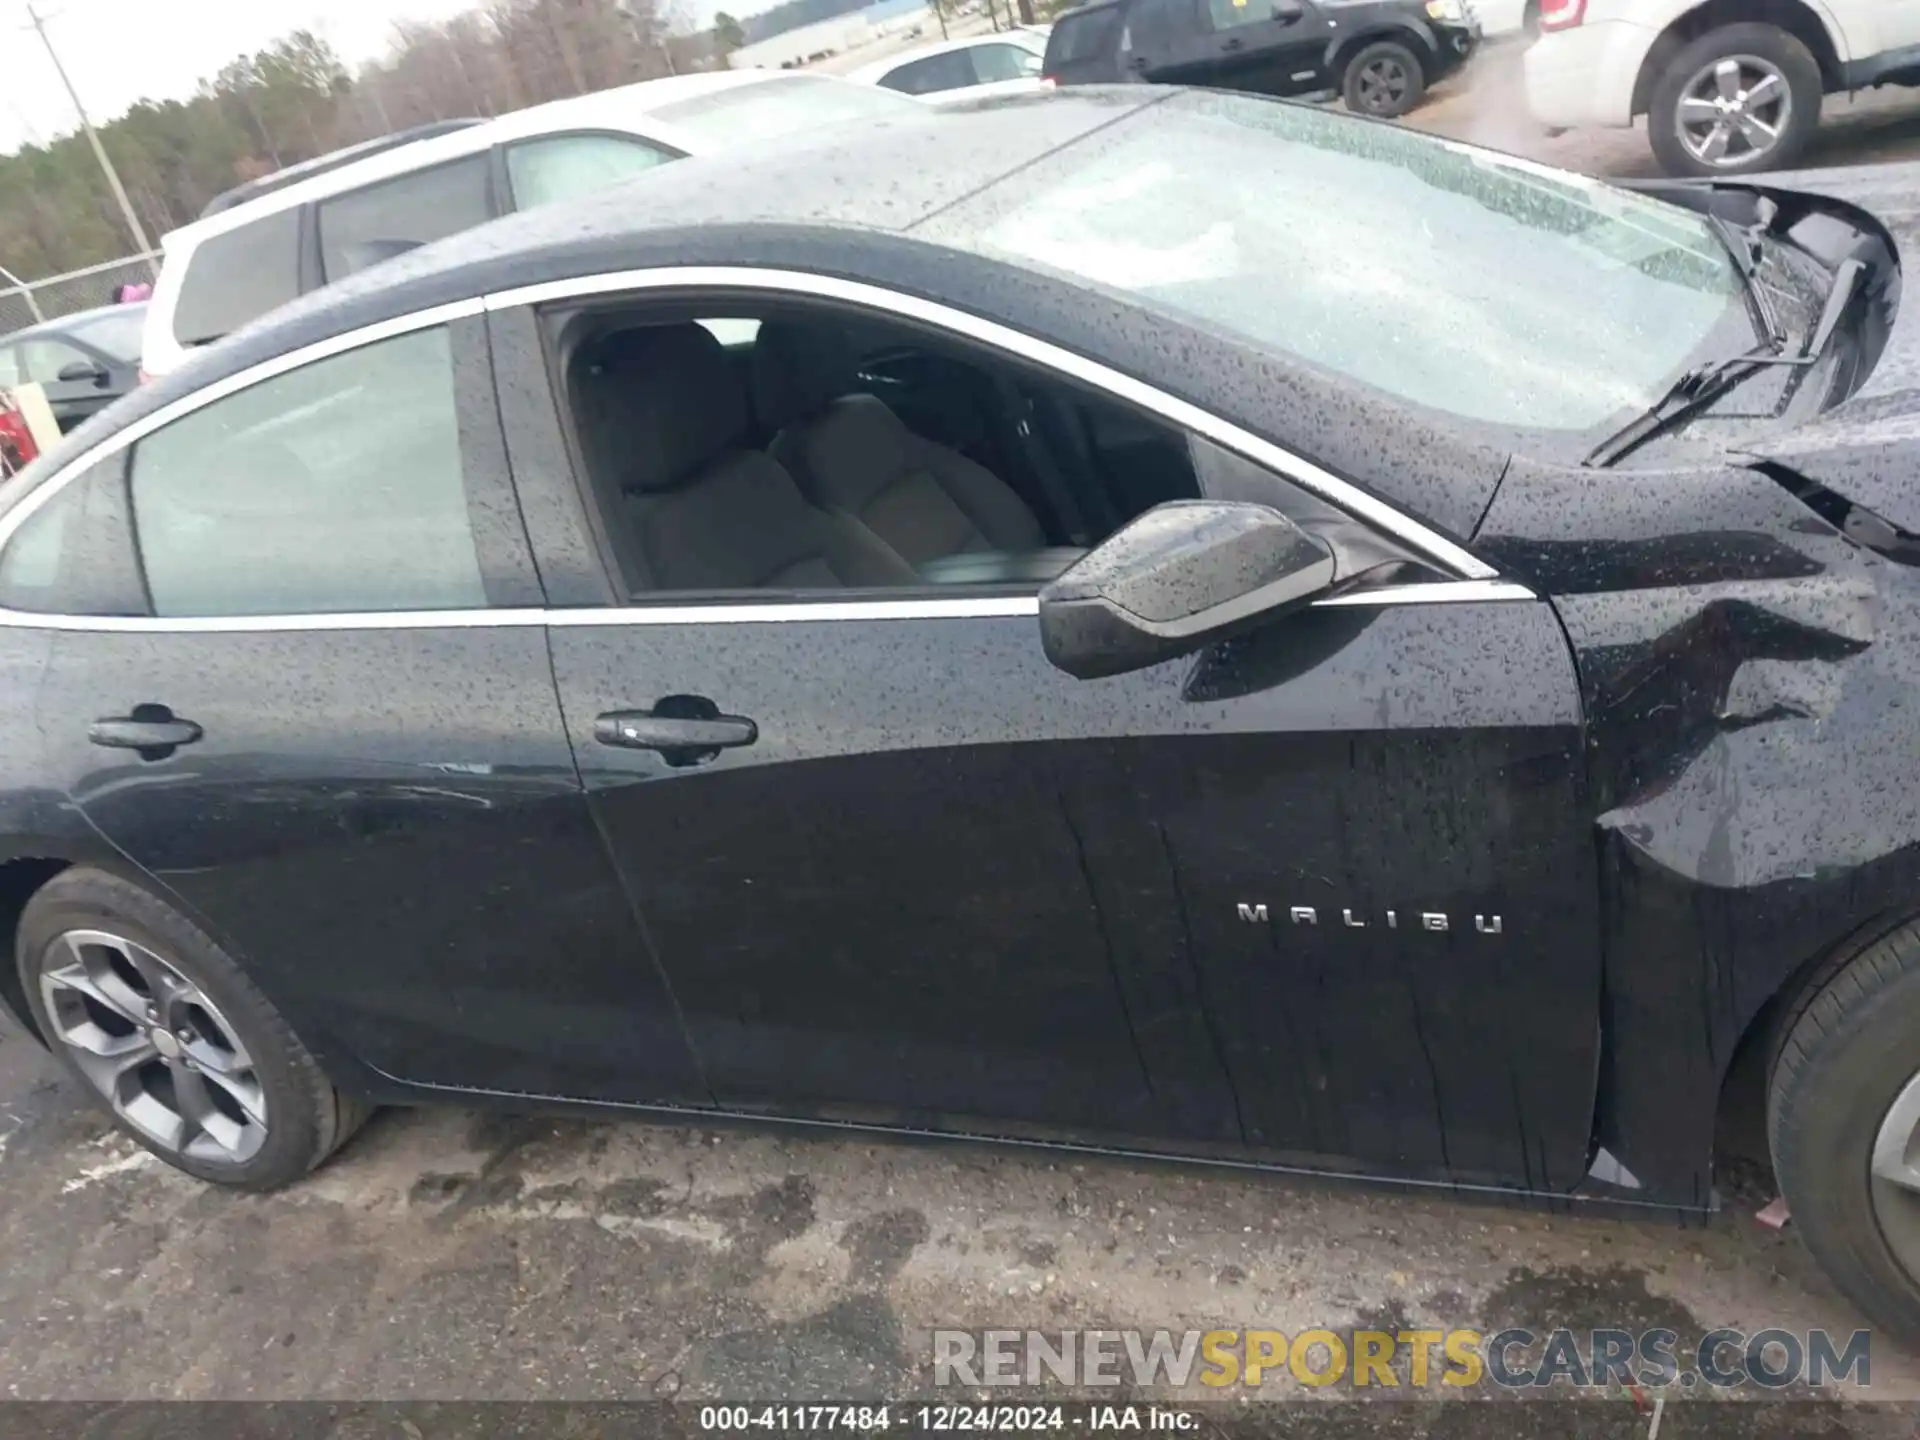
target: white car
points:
(1006, 62)
(1724, 93)
(338, 215)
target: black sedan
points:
(984, 627)
(84, 362)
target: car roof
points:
(1032, 33)
(620, 106)
(844, 204)
(292, 174)
(61, 324)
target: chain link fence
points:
(31, 302)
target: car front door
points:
(1268, 47)
(1325, 891)
(318, 708)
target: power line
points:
(93, 139)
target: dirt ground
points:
(449, 1255)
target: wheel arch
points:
(1749, 1069)
(1796, 17)
(1414, 36)
(20, 880)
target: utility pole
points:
(99, 150)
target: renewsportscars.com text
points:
(1512, 1359)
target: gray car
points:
(84, 362)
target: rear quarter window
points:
(377, 222)
(237, 276)
(1078, 38)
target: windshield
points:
(115, 332)
(1467, 282)
(746, 113)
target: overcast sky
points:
(119, 51)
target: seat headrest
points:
(798, 369)
(662, 402)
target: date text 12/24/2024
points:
(948, 1419)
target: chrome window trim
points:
(1308, 476)
(232, 385)
(957, 607)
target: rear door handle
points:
(686, 729)
(1235, 43)
(155, 731)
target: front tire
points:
(1384, 80)
(1843, 1122)
(1736, 100)
(171, 1039)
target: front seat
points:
(853, 455)
(664, 422)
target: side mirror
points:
(1181, 576)
(82, 372)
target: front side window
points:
(117, 332)
(993, 64)
(1458, 279)
(43, 358)
(335, 488)
(238, 276)
(364, 227)
(842, 451)
(560, 167)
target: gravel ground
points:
(448, 1255)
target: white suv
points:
(1727, 87)
(343, 213)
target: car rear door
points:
(317, 707)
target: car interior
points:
(802, 450)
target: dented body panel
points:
(1751, 683)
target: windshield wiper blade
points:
(1744, 247)
(1707, 382)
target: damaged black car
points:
(1152, 622)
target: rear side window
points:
(1079, 38)
(364, 227)
(951, 71)
(336, 488)
(993, 64)
(238, 276)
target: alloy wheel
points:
(1734, 111)
(1383, 83)
(152, 1042)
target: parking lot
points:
(460, 1255)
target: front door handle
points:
(153, 730)
(685, 729)
(1236, 43)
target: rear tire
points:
(1384, 79)
(170, 1038)
(1683, 138)
(1847, 1071)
